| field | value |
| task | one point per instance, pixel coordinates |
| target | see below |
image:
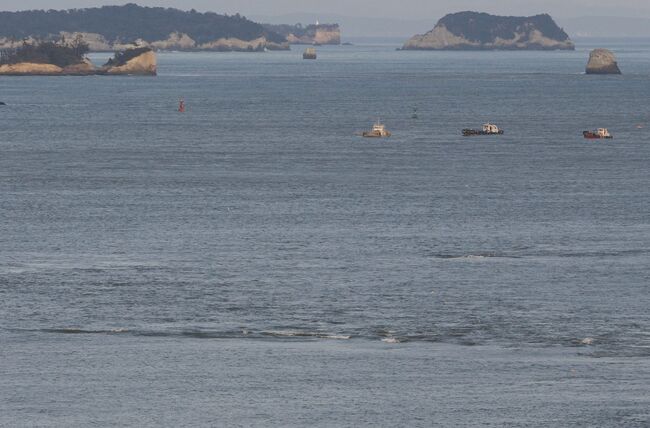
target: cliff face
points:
(322, 34)
(602, 61)
(480, 31)
(145, 64)
(175, 41)
(238, 45)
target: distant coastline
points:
(116, 28)
(319, 34)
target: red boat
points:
(598, 134)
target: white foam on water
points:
(336, 336)
(287, 333)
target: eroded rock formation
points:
(144, 63)
(602, 61)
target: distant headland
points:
(115, 28)
(318, 34)
(481, 31)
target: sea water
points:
(253, 262)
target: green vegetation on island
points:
(69, 58)
(119, 25)
(121, 58)
(485, 28)
(59, 54)
(476, 31)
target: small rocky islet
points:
(69, 59)
(482, 31)
(602, 61)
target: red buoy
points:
(181, 106)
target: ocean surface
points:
(253, 262)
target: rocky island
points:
(116, 28)
(68, 59)
(602, 61)
(138, 61)
(314, 34)
(481, 31)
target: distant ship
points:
(310, 53)
(600, 133)
(488, 129)
(378, 131)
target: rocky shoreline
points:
(175, 42)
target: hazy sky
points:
(406, 9)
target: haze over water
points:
(253, 262)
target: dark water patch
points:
(606, 253)
(591, 346)
(478, 255)
(85, 331)
(522, 253)
(620, 352)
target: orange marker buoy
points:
(181, 106)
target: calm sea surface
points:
(252, 262)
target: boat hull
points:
(473, 132)
(375, 135)
(589, 135)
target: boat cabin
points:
(378, 130)
(488, 128)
